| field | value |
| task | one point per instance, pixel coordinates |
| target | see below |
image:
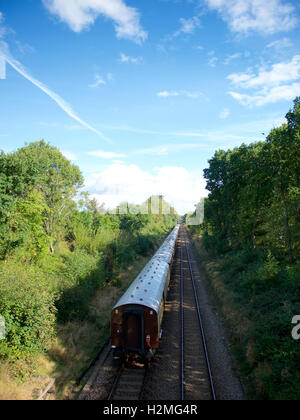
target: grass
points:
(257, 299)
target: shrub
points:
(28, 309)
(266, 293)
(82, 275)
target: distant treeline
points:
(56, 250)
(252, 230)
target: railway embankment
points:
(258, 330)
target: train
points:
(137, 317)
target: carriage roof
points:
(147, 289)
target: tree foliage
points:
(252, 229)
(56, 250)
(255, 192)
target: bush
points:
(82, 275)
(144, 245)
(266, 293)
(27, 306)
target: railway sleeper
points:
(129, 385)
(127, 394)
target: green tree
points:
(42, 168)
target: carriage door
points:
(133, 329)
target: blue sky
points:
(139, 94)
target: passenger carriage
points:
(136, 319)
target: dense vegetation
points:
(56, 251)
(252, 230)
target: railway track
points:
(196, 379)
(109, 381)
(182, 350)
(127, 385)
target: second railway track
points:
(196, 380)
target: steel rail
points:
(115, 383)
(182, 323)
(212, 387)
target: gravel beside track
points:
(101, 380)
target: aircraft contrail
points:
(56, 98)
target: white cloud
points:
(275, 94)
(3, 31)
(6, 56)
(69, 155)
(224, 114)
(2, 68)
(244, 16)
(80, 14)
(240, 79)
(184, 93)
(167, 94)
(98, 81)
(269, 86)
(280, 44)
(212, 62)
(280, 72)
(170, 148)
(119, 183)
(188, 26)
(230, 58)
(105, 155)
(127, 59)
